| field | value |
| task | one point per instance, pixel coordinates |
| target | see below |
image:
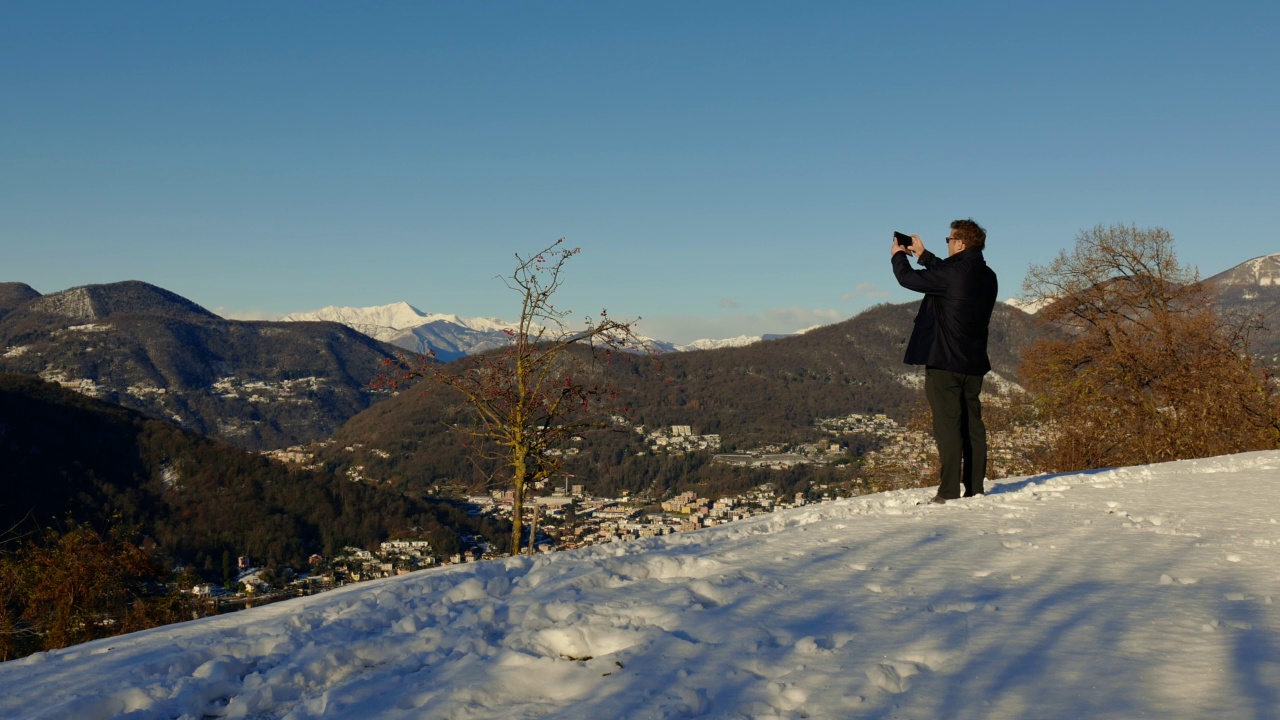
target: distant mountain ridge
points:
(403, 325)
(256, 384)
(451, 336)
(385, 322)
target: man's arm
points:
(928, 281)
(927, 259)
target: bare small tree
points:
(530, 399)
(1135, 366)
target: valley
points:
(830, 412)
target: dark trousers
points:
(958, 430)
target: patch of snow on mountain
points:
(448, 335)
(481, 324)
(1260, 271)
(1031, 307)
(740, 341)
(451, 336)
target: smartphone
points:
(903, 239)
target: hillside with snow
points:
(1259, 272)
(1123, 593)
(1031, 307)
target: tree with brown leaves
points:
(64, 588)
(529, 400)
(1135, 366)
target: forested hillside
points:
(67, 459)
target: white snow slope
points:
(1124, 593)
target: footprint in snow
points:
(895, 675)
(960, 607)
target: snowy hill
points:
(1133, 592)
(1259, 272)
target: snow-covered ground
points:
(1125, 593)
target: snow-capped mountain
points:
(1256, 273)
(403, 325)
(451, 336)
(739, 341)
(396, 317)
(381, 323)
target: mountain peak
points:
(1260, 271)
(13, 294)
(381, 322)
(130, 297)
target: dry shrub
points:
(1135, 366)
(70, 587)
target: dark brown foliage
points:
(1137, 367)
(63, 588)
(65, 455)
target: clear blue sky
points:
(727, 167)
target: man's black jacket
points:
(951, 327)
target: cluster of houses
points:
(84, 386)
(393, 557)
(805, 454)
(262, 390)
(569, 518)
(878, 425)
(677, 439)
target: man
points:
(950, 340)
